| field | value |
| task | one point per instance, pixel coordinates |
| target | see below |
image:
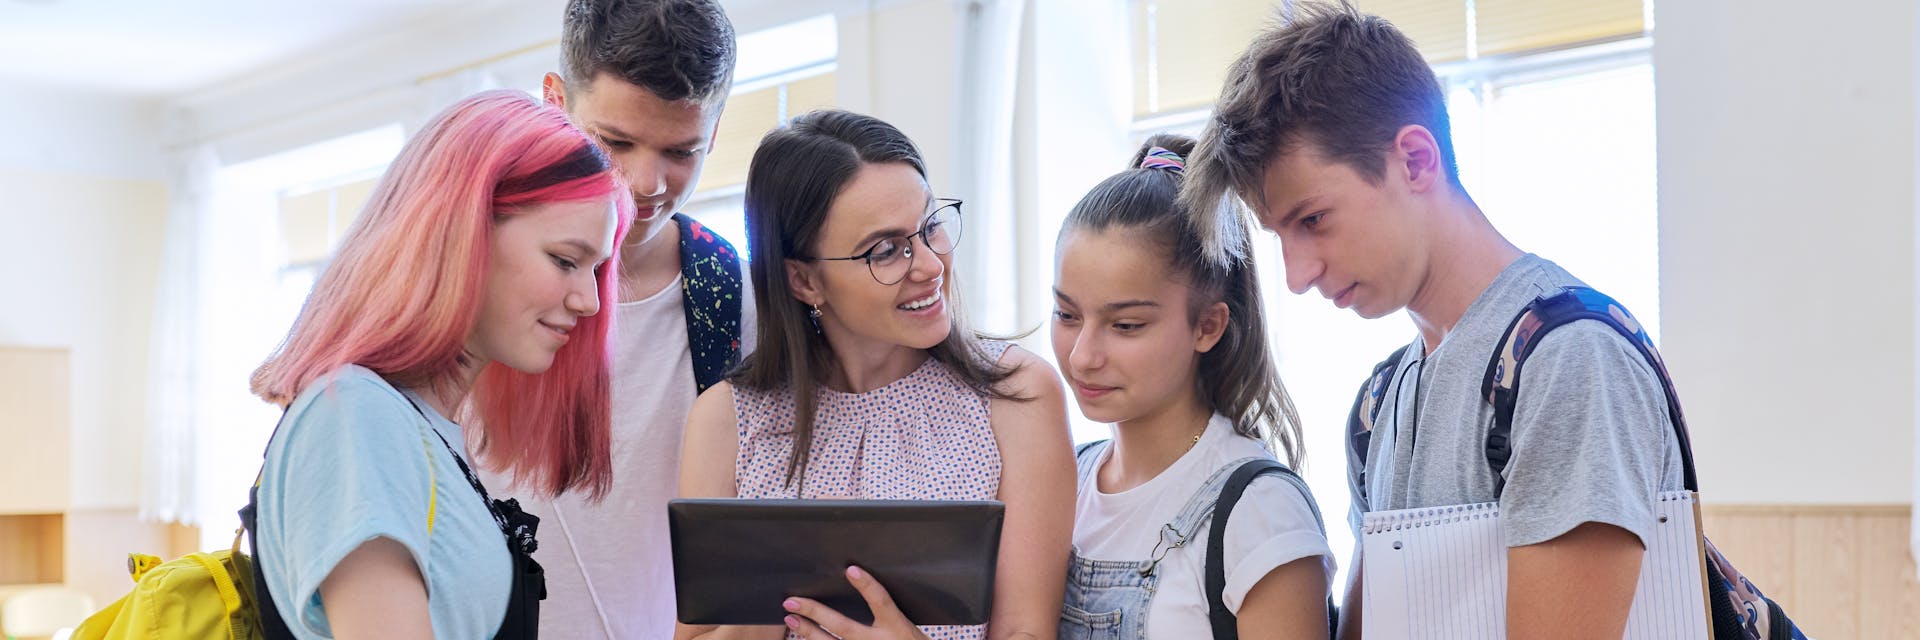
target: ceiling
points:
(148, 48)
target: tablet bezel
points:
(937, 558)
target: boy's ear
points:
(1212, 325)
(1418, 153)
(554, 90)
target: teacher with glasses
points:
(868, 384)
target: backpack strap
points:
(711, 289)
(1501, 385)
(1366, 409)
(1225, 624)
(272, 626)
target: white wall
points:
(899, 62)
(53, 128)
(374, 81)
(79, 244)
(80, 229)
(80, 253)
(1787, 172)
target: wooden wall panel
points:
(30, 549)
(1826, 573)
(182, 540)
(97, 544)
(1840, 571)
(1890, 593)
(35, 425)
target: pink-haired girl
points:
(469, 289)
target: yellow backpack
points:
(202, 596)
(199, 595)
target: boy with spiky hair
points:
(647, 79)
(1333, 130)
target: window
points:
(1181, 48)
(782, 72)
(273, 223)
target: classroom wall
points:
(80, 230)
(363, 84)
(1787, 243)
(899, 61)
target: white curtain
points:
(991, 261)
(169, 453)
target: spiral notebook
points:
(1441, 572)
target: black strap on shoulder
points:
(711, 290)
(1366, 409)
(272, 626)
(1225, 624)
(1554, 309)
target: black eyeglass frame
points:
(906, 242)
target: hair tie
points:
(1164, 158)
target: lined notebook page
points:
(1441, 572)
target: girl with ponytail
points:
(1159, 330)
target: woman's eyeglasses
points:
(889, 259)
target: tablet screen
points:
(736, 560)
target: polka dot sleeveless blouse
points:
(923, 437)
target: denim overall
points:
(1109, 599)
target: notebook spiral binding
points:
(1416, 518)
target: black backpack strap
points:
(1366, 409)
(1554, 309)
(272, 626)
(1225, 624)
(711, 291)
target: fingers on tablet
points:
(876, 595)
(810, 614)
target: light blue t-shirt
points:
(352, 462)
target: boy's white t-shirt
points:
(620, 545)
(1272, 525)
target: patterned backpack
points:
(710, 289)
(1739, 610)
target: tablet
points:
(736, 560)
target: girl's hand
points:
(814, 621)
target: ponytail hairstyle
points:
(404, 290)
(796, 174)
(1237, 378)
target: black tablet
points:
(736, 560)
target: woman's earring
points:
(813, 315)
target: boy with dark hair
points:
(1334, 131)
(647, 79)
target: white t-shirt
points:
(1271, 525)
(620, 546)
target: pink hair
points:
(403, 292)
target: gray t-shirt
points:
(1591, 439)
